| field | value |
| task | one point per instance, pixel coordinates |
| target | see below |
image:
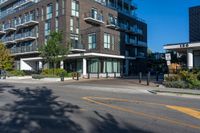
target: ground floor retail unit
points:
(190, 50)
(93, 63)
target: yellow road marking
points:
(82, 109)
(188, 111)
(90, 99)
(133, 101)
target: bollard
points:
(157, 76)
(148, 78)
(88, 75)
(4, 75)
(62, 77)
(121, 74)
(77, 75)
(73, 75)
(140, 77)
(98, 75)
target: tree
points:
(6, 61)
(149, 52)
(54, 50)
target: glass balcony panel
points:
(94, 17)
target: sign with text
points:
(168, 56)
(168, 62)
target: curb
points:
(175, 93)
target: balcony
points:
(122, 27)
(94, 18)
(30, 20)
(131, 42)
(112, 24)
(4, 3)
(27, 36)
(15, 7)
(29, 48)
(9, 28)
(2, 32)
(136, 43)
(26, 21)
(20, 23)
(141, 55)
(21, 3)
(8, 40)
(143, 44)
(134, 30)
(77, 47)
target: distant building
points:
(192, 48)
(106, 35)
(194, 24)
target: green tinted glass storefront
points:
(104, 65)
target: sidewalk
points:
(113, 85)
(27, 81)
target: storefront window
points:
(93, 66)
(105, 65)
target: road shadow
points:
(108, 124)
(4, 86)
(38, 111)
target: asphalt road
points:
(76, 108)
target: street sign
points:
(168, 56)
(168, 62)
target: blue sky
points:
(167, 21)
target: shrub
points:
(28, 72)
(172, 78)
(195, 70)
(184, 79)
(198, 75)
(184, 75)
(16, 73)
(55, 72)
(68, 75)
(176, 84)
(37, 76)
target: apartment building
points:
(191, 49)
(105, 36)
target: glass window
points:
(75, 8)
(113, 42)
(63, 7)
(56, 23)
(71, 24)
(57, 8)
(93, 66)
(109, 66)
(42, 12)
(106, 40)
(92, 41)
(49, 11)
(47, 28)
